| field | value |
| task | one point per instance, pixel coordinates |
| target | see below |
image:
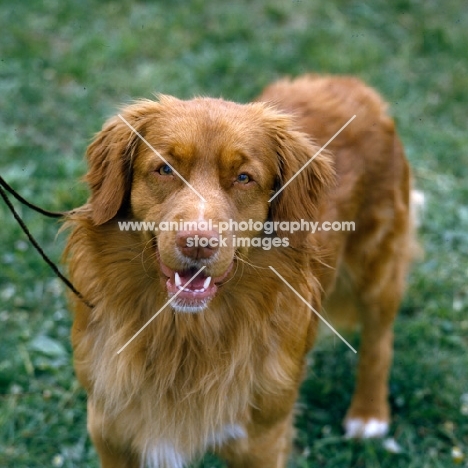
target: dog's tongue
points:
(186, 285)
(196, 283)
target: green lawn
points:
(67, 65)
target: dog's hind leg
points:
(378, 260)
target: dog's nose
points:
(198, 244)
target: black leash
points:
(10, 189)
(51, 214)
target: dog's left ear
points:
(310, 176)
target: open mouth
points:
(192, 295)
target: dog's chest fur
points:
(187, 384)
(186, 380)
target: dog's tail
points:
(417, 207)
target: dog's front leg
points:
(112, 453)
(265, 447)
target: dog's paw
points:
(358, 428)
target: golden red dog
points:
(219, 367)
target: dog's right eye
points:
(243, 178)
(165, 170)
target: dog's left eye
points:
(165, 170)
(243, 179)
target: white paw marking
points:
(392, 446)
(164, 455)
(230, 431)
(357, 428)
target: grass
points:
(66, 66)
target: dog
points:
(186, 346)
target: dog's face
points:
(196, 169)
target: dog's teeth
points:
(177, 280)
(207, 282)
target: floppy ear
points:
(110, 158)
(311, 176)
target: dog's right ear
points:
(110, 157)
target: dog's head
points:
(204, 172)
